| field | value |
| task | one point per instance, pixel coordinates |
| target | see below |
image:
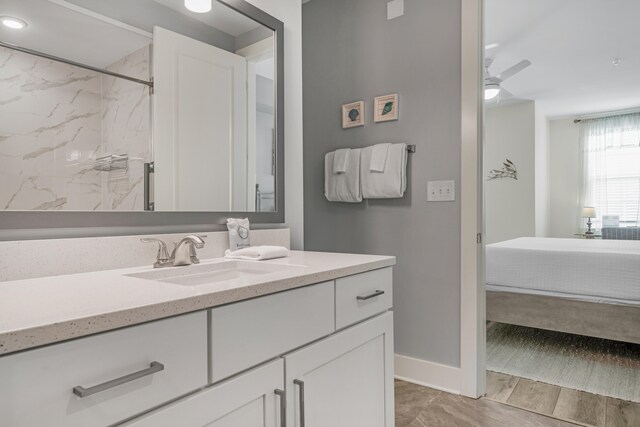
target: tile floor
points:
(418, 406)
(563, 403)
(511, 401)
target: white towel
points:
(343, 187)
(378, 157)
(389, 184)
(340, 159)
(258, 253)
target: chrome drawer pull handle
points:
(85, 392)
(300, 384)
(373, 295)
(283, 406)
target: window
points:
(611, 167)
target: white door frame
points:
(253, 53)
(472, 293)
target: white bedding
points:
(608, 269)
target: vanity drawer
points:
(363, 295)
(37, 386)
(251, 332)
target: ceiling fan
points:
(492, 84)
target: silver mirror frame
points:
(18, 225)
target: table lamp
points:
(589, 212)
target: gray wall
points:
(351, 52)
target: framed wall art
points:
(385, 108)
(353, 114)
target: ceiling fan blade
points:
(505, 94)
(510, 72)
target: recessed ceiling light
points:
(616, 61)
(13, 23)
(198, 6)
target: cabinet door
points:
(248, 400)
(345, 380)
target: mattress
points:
(598, 269)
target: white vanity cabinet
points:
(331, 377)
(319, 355)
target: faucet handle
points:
(163, 254)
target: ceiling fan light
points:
(198, 6)
(491, 91)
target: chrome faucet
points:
(184, 252)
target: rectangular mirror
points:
(140, 105)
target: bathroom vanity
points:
(301, 341)
(152, 118)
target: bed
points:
(586, 287)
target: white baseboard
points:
(428, 374)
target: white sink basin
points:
(203, 274)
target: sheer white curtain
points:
(610, 148)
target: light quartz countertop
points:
(46, 310)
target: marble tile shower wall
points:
(55, 120)
(125, 130)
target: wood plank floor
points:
(418, 406)
(563, 403)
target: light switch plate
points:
(395, 9)
(441, 191)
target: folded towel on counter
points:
(378, 157)
(343, 187)
(392, 182)
(340, 158)
(258, 253)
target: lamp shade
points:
(588, 212)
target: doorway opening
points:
(561, 171)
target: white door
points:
(199, 125)
(248, 400)
(345, 380)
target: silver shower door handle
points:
(149, 168)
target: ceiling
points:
(221, 17)
(66, 33)
(98, 33)
(571, 44)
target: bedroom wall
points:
(510, 204)
(564, 173)
(542, 181)
(351, 52)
